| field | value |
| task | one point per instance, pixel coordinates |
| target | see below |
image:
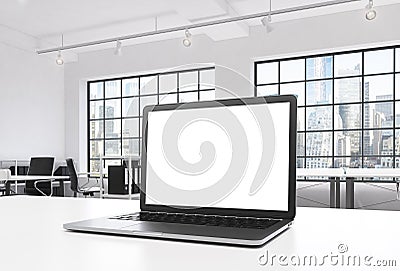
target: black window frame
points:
(362, 129)
(139, 116)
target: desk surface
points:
(33, 178)
(32, 238)
(349, 172)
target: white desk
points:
(354, 173)
(335, 175)
(372, 172)
(16, 178)
(320, 172)
(34, 177)
(42, 243)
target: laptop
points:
(219, 171)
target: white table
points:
(355, 173)
(42, 243)
(337, 175)
(320, 172)
(16, 178)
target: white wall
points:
(311, 35)
(31, 105)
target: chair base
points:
(88, 194)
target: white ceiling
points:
(33, 24)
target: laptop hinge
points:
(197, 214)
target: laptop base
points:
(181, 232)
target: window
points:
(115, 108)
(348, 105)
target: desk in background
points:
(349, 175)
(354, 173)
(334, 176)
(22, 178)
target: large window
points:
(348, 105)
(115, 108)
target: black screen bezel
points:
(290, 214)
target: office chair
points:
(73, 177)
(40, 166)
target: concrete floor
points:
(366, 195)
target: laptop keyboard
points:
(197, 219)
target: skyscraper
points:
(349, 90)
(367, 147)
(385, 108)
(319, 118)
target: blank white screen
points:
(273, 195)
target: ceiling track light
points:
(269, 24)
(187, 40)
(267, 20)
(118, 48)
(59, 59)
(371, 12)
(200, 25)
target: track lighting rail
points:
(197, 25)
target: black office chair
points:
(40, 166)
(73, 177)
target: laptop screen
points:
(223, 157)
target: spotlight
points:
(118, 48)
(266, 22)
(59, 60)
(186, 41)
(371, 12)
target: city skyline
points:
(347, 120)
